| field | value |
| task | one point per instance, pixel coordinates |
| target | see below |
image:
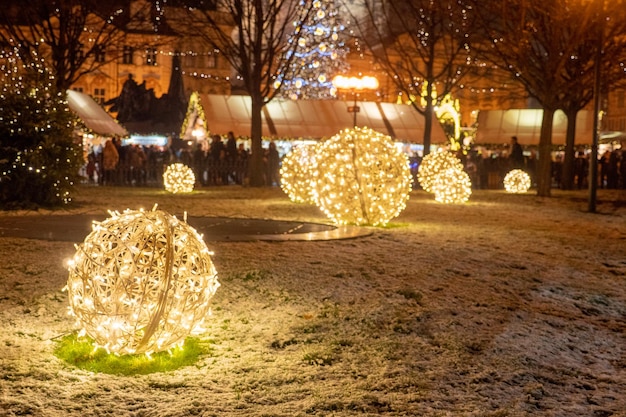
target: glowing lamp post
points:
(355, 84)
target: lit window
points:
(98, 95)
(127, 55)
(98, 54)
(620, 99)
(151, 56)
(211, 61)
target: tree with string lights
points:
(75, 37)
(40, 160)
(258, 38)
(551, 58)
(319, 56)
(423, 46)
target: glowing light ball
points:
(295, 174)
(179, 178)
(141, 282)
(434, 163)
(452, 186)
(517, 181)
(361, 177)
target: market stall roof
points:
(497, 127)
(314, 119)
(93, 115)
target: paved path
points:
(74, 228)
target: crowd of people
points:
(223, 162)
(487, 171)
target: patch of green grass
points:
(410, 294)
(80, 352)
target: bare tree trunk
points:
(429, 112)
(428, 125)
(256, 169)
(567, 179)
(544, 167)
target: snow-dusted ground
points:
(509, 305)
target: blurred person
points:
(110, 159)
(516, 155)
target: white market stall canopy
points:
(497, 126)
(314, 119)
(93, 115)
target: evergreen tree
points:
(39, 160)
(319, 55)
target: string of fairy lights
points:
(31, 109)
(141, 282)
(319, 55)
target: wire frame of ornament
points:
(179, 178)
(141, 282)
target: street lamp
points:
(355, 84)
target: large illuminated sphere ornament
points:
(452, 186)
(361, 178)
(179, 178)
(434, 163)
(141, 282)
(296, 176)
(517, 181)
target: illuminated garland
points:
(179, 178)
(434, 163)
(141, 282)
(361, 178)
(194, 108)
(517, 181)
(295, 174)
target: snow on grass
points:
(509, 305)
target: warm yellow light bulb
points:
(452, 186)
(361, 177)
(517, 181)
(434, 163)
(179, 178)
(295, 174)
(141, 282)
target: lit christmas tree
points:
(39, 160)
(320, 55)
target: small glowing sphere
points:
(517, 181)
(452, 186)
(361, 178)
(141, 282)
(434, 163)
(179, 178)
(321, 78)
(302, 42)
(295, 174)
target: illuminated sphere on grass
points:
(452, 186)
(141, 282)
(179, 178)
(361, 178)
(434, 163)
(517, 181)
(295, 174)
